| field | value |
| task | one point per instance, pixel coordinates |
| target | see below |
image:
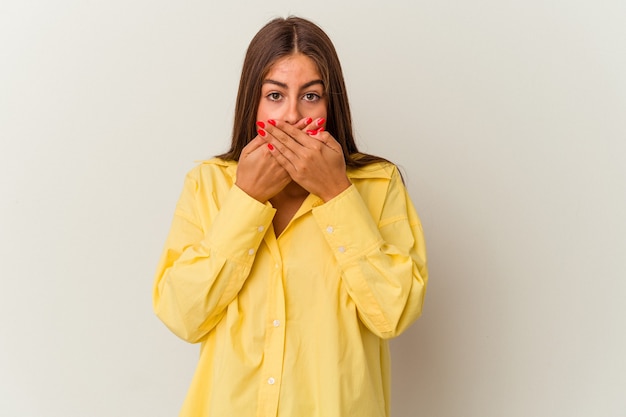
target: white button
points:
(261, 228)
(271, 381)
(276, 323)
(342, 249)
(329, 229)
(251, 252)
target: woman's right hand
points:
(258, 173)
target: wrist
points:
(337, 189)
(251, 194)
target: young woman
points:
(292, 258)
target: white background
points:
(508, 118)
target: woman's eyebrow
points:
(283, 85)
(278, 83)
(310, 83)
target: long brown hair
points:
(284, 37)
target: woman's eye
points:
(311, 97)
(274, 96)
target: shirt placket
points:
(274, 349)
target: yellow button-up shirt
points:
(296, 325)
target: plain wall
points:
(508, 118)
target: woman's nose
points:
(292, 112)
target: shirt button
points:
(276, 266)
(271, 381)
(330, 229)
(261, 228)
(276, 323)
(341, 249)
(251, 252)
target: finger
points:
(303, 123)
(319, 123)
(291, 136)
(315, 125)
(269, 138)
(311, 124)
(282, 159)
(300, 124)
(253, 145)
(274, 137)
(275, 147)
(284, 133)
(327, 139)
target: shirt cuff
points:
(239, 227)
(347, 225)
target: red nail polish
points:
(308, 120)
(272, 122)
(320, 130)
(260, 124)
(312, 132)
(320, 121)
(270, 146)
(262, 132)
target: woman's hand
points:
(312, 157)
(259, 174)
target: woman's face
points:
(292, 90)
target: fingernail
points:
(262, 132)
(312, 132)
(272, 122)
(321, 129)
(270, 146)
(320, 121)
(260, 124)
(308, 120)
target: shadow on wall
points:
(436, 361)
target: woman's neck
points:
(293, 191)
(287, 203)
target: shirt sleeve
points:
(202, 271)
(383, 261)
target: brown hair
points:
(280, 38)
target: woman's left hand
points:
(314, 160)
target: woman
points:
(292, 258)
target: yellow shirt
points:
(294, 326)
